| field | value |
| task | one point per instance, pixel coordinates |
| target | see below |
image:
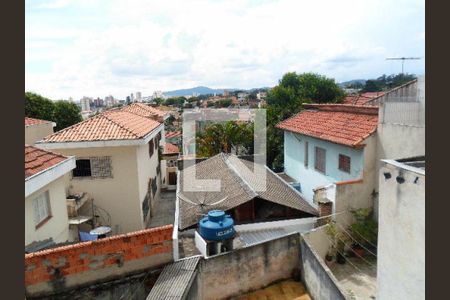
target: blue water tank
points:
(217, 226)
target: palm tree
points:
(225, 137)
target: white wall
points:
(37, 132)
(146, 168)
(118, 195)
(401, 236)
(309, 178)
(57, 227)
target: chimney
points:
(325, 208)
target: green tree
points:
(38, 107)
(285, 100)
(223, 137)
(372, 86)
(66, 114)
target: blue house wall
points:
(308, 177)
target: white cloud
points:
(125, 46)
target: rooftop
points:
(171, 149)
(235, 179)
(172, 134)
(110, 125)
(344, 124)
(144, 110)
(33, 121)
(38, 160)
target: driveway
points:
(163, 210)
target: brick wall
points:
(55, 270)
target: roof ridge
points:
(122, 126)
(70, 127)
(242, 182)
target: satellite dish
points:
(200, 203)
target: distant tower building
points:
(110, 101)
(226, 93)
(138, 97)
(157, 94)
(132, 97)
(85, 104)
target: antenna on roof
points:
(402, 59)
(201, 203)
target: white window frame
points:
(41, 208)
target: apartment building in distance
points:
(117, 162)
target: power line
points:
(359, 236)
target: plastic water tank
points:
(217, 226)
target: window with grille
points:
(41, 208)
(94, 167)
(344, 163)
(306, 154)
(83, 168)
(151, 148)
(319, 163)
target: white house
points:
(332, 151)
(45, 195)
(117, 162)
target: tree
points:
(38, 107)
(224, 137)
(66, 114)
(372, 86)
(285, 100)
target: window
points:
(41, 207)
(319, 163)
(83, 168)
(344, 163)
(95, 167)
(306, 154)
(151, 148)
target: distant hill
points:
(352, 82)
(200, 90)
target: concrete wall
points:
(401, 235)
(309, 178)
(318, 279)
(63, 269)
(118, 195)
(244, 270)
(37, 132)
(57, 227)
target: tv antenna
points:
(403, 60)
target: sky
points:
(76, 48)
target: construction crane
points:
(402, 59)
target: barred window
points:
(94, 167)
(306, 154)
(319, 163)
(101, 167)
(344, 163)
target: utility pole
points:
(402, 59)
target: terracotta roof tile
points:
(110, 125)
(38, 160)
(172, 134)
(32, 121)
(144, 110)
(171, 149)
(343, 124)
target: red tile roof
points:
(373, 94)
(356, 100)
(171, 149)
(172, 134)
(38, 160)
(33, 121)
(343, 124)
(144, 110)
(110, 125)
